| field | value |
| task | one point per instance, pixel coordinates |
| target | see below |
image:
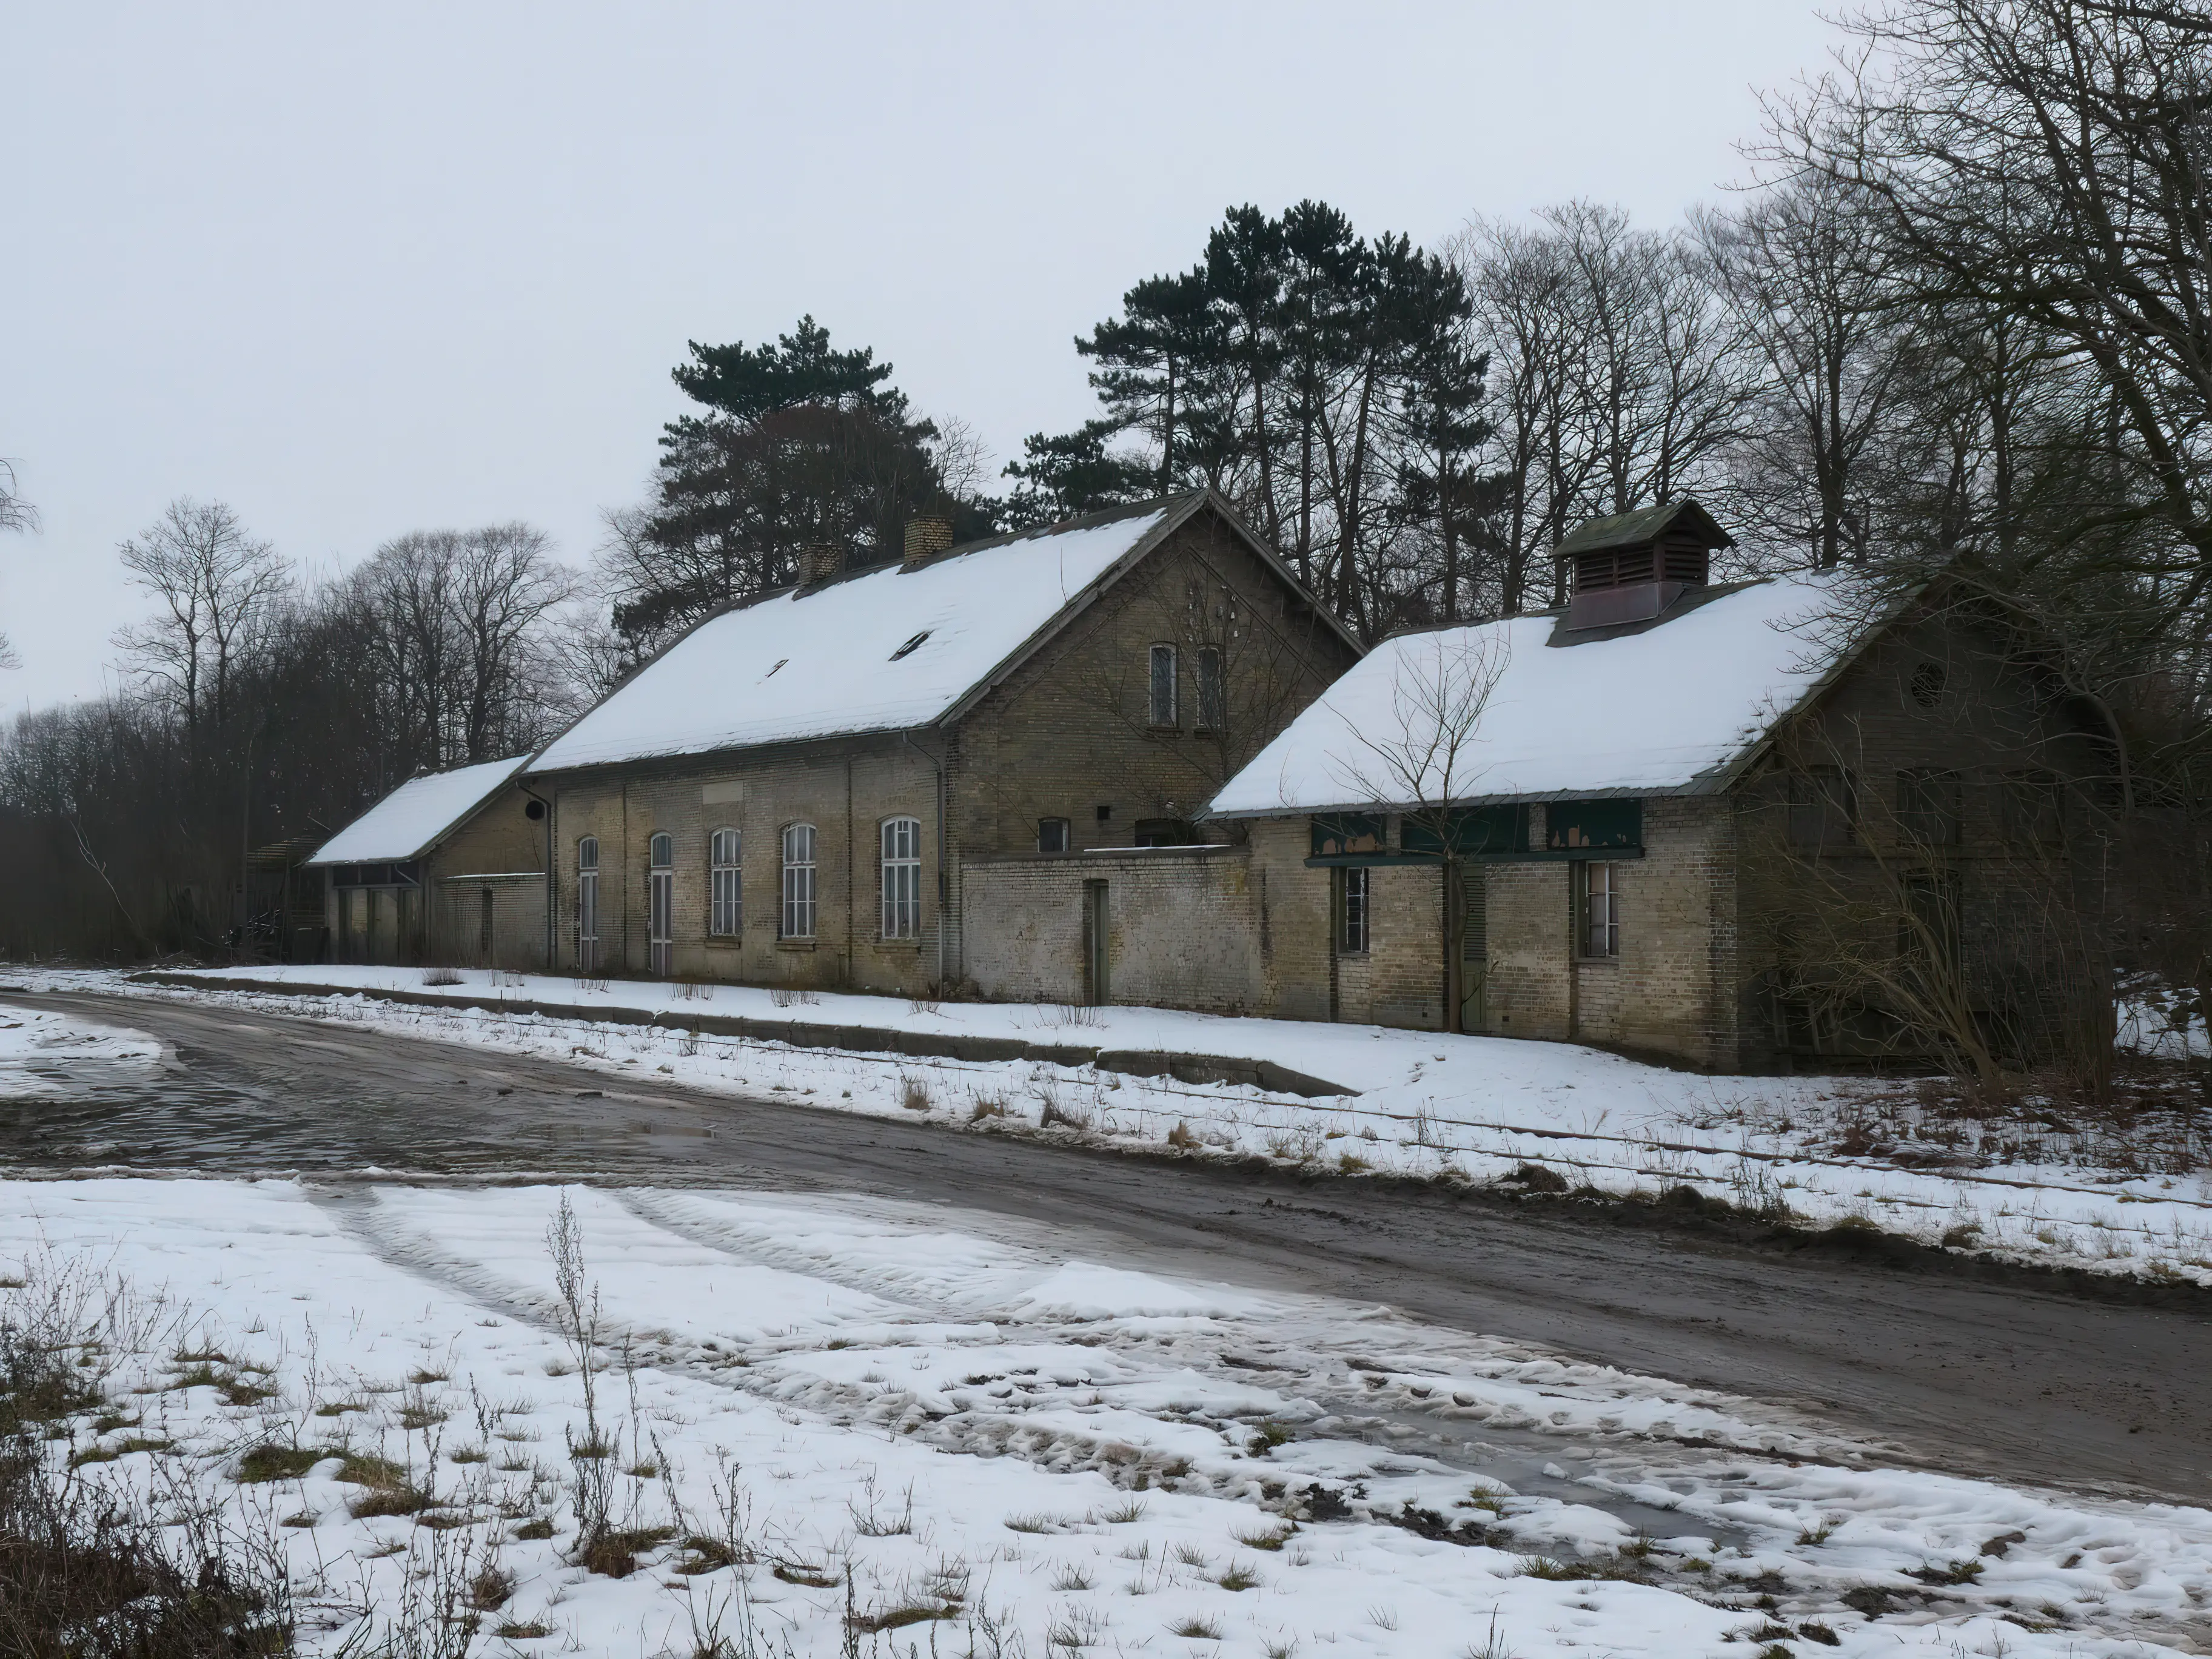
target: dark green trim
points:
(1578, 855)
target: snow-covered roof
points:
(416, 816)
(1665, 710)
(886, 650)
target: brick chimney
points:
(926, 537)
(1633, 565)
(818, 562)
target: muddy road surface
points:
(2009, 1380)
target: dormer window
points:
(908, 649)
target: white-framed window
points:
(1162, 685)
(1212, 689)
(1352, 911)
(797, 881)
(587, 904)
(725, 900)
(902, 884)
(661, 903)
(1053, 836)
(1598, 893)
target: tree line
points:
(1958, 318)
(259, 706)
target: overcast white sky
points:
(361, 270)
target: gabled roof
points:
(1674, 708)
(1646, 524)
(886, 648)
(417, 815)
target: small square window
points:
(1929, 806)
(1051, 835)
(1823, 807)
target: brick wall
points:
(501, 849)
(1944, 691)
(1069, 735)
(1182, 931)
(518, 921)
(1669, 991)
(845, 791)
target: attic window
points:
(780, 662)
(908, 648)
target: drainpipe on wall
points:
(906, 738)
(550, 895)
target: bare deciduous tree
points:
(1422, 758)
(1803, 269)
(218, 589)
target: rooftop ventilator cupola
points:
(1631, 567)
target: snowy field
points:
(1832, 1150)
(823, 1420)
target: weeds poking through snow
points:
(914, 1092)
(160, 1567)
(791, 996)
(442, 976)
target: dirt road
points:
(2020, 1384)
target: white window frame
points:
(1212, 689)
(800, 879)
(1597, 910)
(725, 892)
(1355, 911)
(587, 904)
(661, 903)
(1160, 686)
(900, 885)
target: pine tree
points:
(797, 444)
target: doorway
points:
(660, 906)
(1097, 986)
(1473, 931)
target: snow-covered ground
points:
(37, 1044)
(1004, 1443)
(1832, 1150)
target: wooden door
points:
(1473, 946)
(1098, 961)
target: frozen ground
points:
(1003, 1445)
(1832, 1150)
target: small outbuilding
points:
(449, 868)
(1742, 824)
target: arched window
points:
(726, 902)
(901, 886)
(587, 905)
(660, 905)
(797, 881)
